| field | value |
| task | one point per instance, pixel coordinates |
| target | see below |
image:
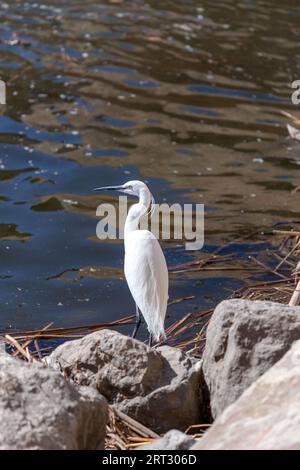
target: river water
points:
(185, 95)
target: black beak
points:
(109, 188)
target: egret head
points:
(133, 188)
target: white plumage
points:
(146, 273)
(145, 266)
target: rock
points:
(172, 440)
(244, 339)
(266, 416)
(40, 410)
(157, 387)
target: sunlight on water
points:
(168, 92)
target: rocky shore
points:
(247, 386)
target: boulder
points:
(266, 416)
(172, 440)
(40, 410)
(244, 339)
(158, 387)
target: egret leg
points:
(137, 323)
(150, 340)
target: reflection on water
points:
(186, 97)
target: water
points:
(185, 95)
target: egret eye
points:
(130, 188)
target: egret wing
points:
(146, 273)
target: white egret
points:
(145, 266)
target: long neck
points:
(136, 212)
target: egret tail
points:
(156, 327)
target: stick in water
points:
(296, 296)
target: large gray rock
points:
(266, 416)
(172, 440)
(39, 409)
(157, 387)
(244, 339)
